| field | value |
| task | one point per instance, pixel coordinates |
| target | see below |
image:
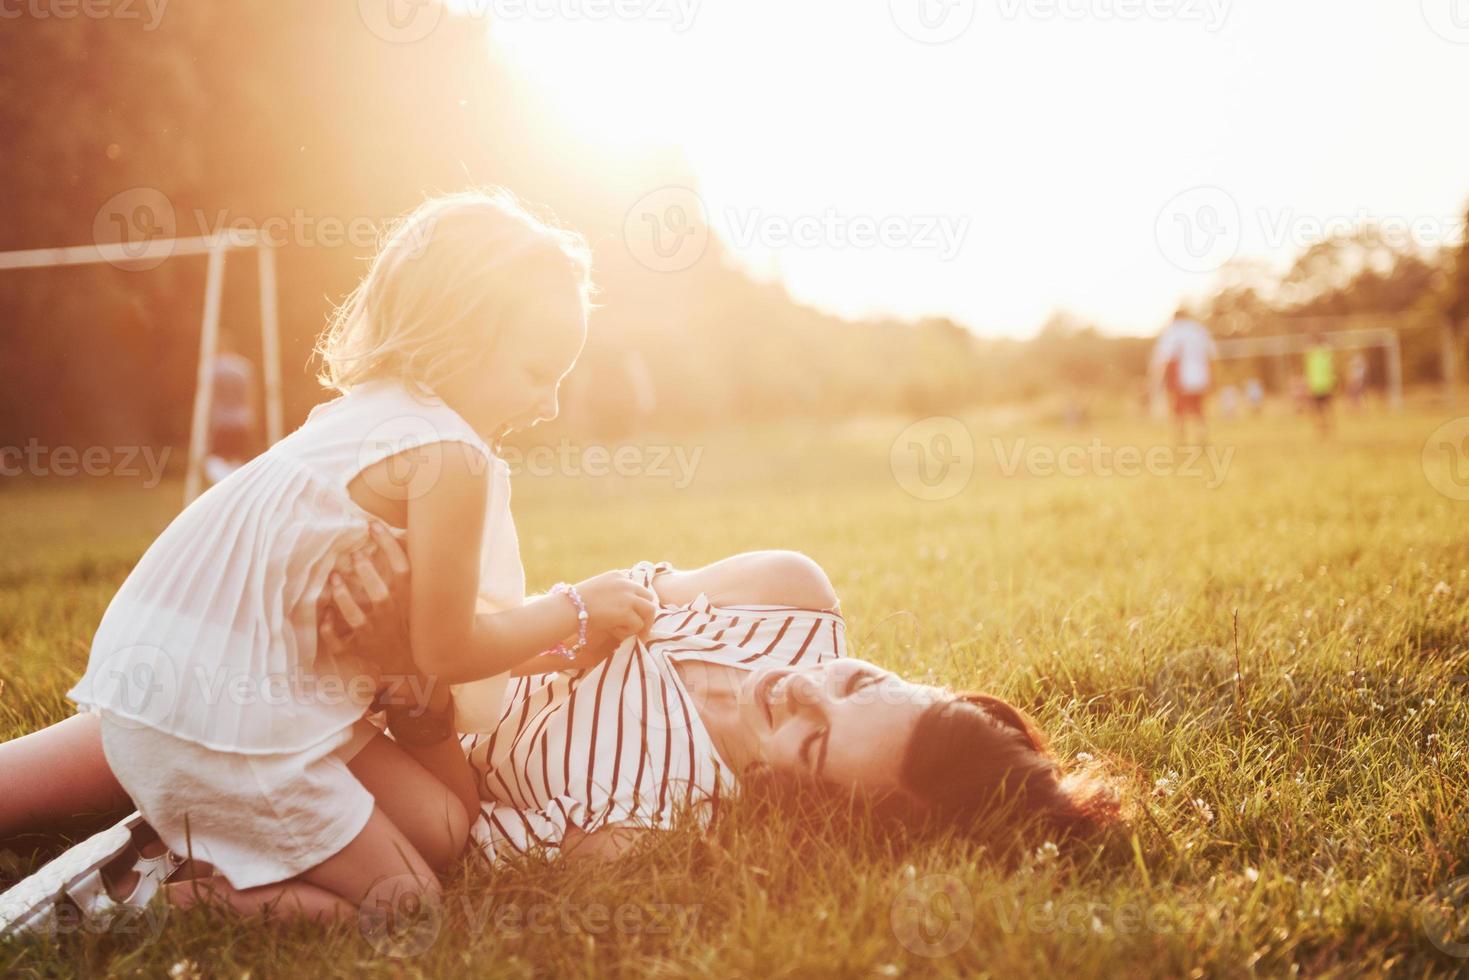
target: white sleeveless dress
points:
(222, 720)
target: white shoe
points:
(75, 878)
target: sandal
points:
(77, 881)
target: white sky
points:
(1046, 139)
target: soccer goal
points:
(1296, 344)
(216, 247)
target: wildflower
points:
(1251, 874)
(1046, 853)
(1204, 810)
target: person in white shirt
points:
(231, 414)
(1182, 364)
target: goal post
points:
(1285, 345)
(216, 247)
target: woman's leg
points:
(755, 578)
(55, 775)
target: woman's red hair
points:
(974, 760)
(975, 765)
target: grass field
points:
(1296, 817)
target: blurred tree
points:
(1456, 306)
(1457, 291)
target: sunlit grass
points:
(1294, 816)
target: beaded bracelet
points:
(561, 588)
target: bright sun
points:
(608, 81)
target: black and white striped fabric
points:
(621, 743)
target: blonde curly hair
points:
(436, 294)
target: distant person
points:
(1300, 395)
(231, 415)
(640, 383)
(1357, 380)
(1321, 380)
(1255, 395)
(1183, 361)
(1229, 402)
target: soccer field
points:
(1300, 780)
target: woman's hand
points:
(363, 609)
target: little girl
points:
(228, 725)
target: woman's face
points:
(844, 721)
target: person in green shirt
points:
(1321, 380)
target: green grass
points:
(1294, 820)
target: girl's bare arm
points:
(446, 519)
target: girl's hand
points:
(363, 610)
(617, 605)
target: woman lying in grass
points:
(742, 680)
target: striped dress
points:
(622, 743)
